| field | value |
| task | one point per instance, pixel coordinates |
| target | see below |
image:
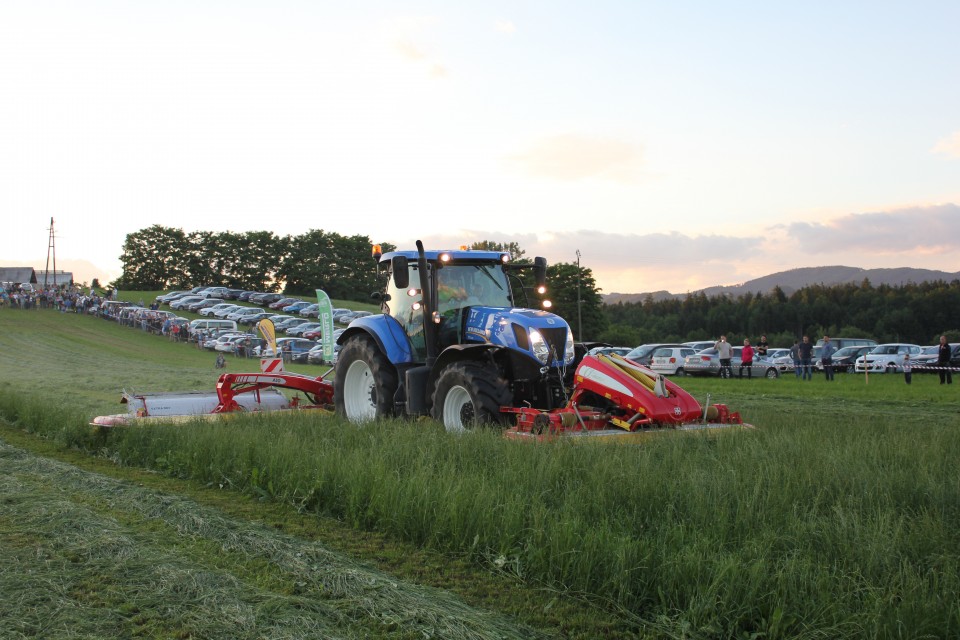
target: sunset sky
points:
(676, 145)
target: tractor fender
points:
(460, 353)
(386, 332)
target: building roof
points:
(54, 278)
(18, 275)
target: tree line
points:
(160, 257)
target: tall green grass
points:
(837, 516)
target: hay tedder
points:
(453, 342)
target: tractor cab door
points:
(406, 306)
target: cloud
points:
(921, 236)
(505, 26)
(409, 50)
(572, 157)
(949, 146)
(408, 36)
(632, 263)
(931, 229)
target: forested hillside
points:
(917, 313)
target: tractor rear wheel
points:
(365, 381)
(470, 394)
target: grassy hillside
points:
(837, 516)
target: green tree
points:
(154, 258)
(563, 283)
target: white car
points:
(669, 360)
(887, 358)
(243, 311)
(211, 311)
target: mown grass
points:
(837, 516)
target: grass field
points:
(838, 516)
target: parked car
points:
(844, 358)
(886, 358)
(243, 312)
(181, 303)
(779, 352)
(289, 323)
(169, 295)
(644, 353)
(840, 343)
(254, 318)
(620, 351)
(223, 313)
(206, 303)
(233, 294)
(295, 307)
(282, 302)
(297, 331)
(209, 311)
(929, 356)
(265, 299)
(219, 342)
(215, 292)
(309, 311)
(286, 345)
(670, 360)
(700, 345)
(707, 362)
(245, 296)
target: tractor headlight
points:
(539, 346)
(568, 351)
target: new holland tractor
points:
(453, 342)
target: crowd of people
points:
(74, 299)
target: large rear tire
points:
(470, 394)
(365, 381)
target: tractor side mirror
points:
(540, 272)
(401, 273)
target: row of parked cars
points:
(222, 321)
(698, 358)
(853, 354)
(207, 301)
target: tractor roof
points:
(456, 256)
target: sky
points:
(674, 145)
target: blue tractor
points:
(453, 342)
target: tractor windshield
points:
(466, 285)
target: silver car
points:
(670, 360)
(707, 363)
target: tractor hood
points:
(545, 336)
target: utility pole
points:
(51, 250)
(579, 315)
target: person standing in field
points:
(795, 355)
(943, 361)
(762, 347)
(907, 369)
(805, 349)
(746, 359)
(826, 357)
(724, 351)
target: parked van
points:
(210, 325)
(840, 343)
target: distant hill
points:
(794, 279)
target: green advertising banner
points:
(325, 316)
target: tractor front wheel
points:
(365, 381)
(470, 394)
